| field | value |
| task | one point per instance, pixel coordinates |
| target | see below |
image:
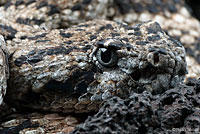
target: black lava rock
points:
(175, 111)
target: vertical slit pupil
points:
(156, 58)
(106, 55)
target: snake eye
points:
(107, 57)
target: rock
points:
(174, 111)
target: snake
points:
(46, 67)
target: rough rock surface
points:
(175, 111)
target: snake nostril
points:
(155, 58)
(136, 75)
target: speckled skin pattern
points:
(74, 70)
(173, 16)
(43, 63)
(4, 73)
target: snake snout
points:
(157, 59)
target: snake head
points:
(147, 60)
(76, 69)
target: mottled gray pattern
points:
(48, 74)
(74, 70)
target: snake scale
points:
(75, 69)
